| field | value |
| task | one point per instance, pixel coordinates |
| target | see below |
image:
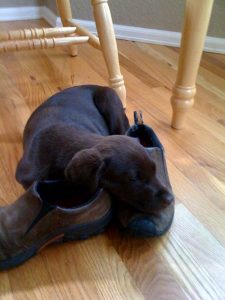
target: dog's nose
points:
(165, 197)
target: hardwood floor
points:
(189, 261)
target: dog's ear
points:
(85, 169)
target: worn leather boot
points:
(49, 211)
(156, 223)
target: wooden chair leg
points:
(65, 13)
(197, 16)
(107, 39)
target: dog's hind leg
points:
(110, 106)
(29, 168)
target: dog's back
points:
(74, 106)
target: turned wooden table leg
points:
(65, 13)
(197, 16)
(107, 39)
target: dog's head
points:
(123, 167)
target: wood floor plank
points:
(92, 267)
(152, 275)
(5, 288)
(199, 205)
(199, 253)
(156, 68)
(32, 281)
(14, 113)
(13, 106)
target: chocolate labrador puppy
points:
(79, 134)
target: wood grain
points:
(195, 256)
(188, 262)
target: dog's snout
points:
(165, 197)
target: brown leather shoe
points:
(157, 223)
(49, 211)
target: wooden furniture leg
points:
(197, 16)
(65, 13)
(107, 39)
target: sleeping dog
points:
(79, 134)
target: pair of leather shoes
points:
(52, 211)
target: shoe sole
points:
(75, 232)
